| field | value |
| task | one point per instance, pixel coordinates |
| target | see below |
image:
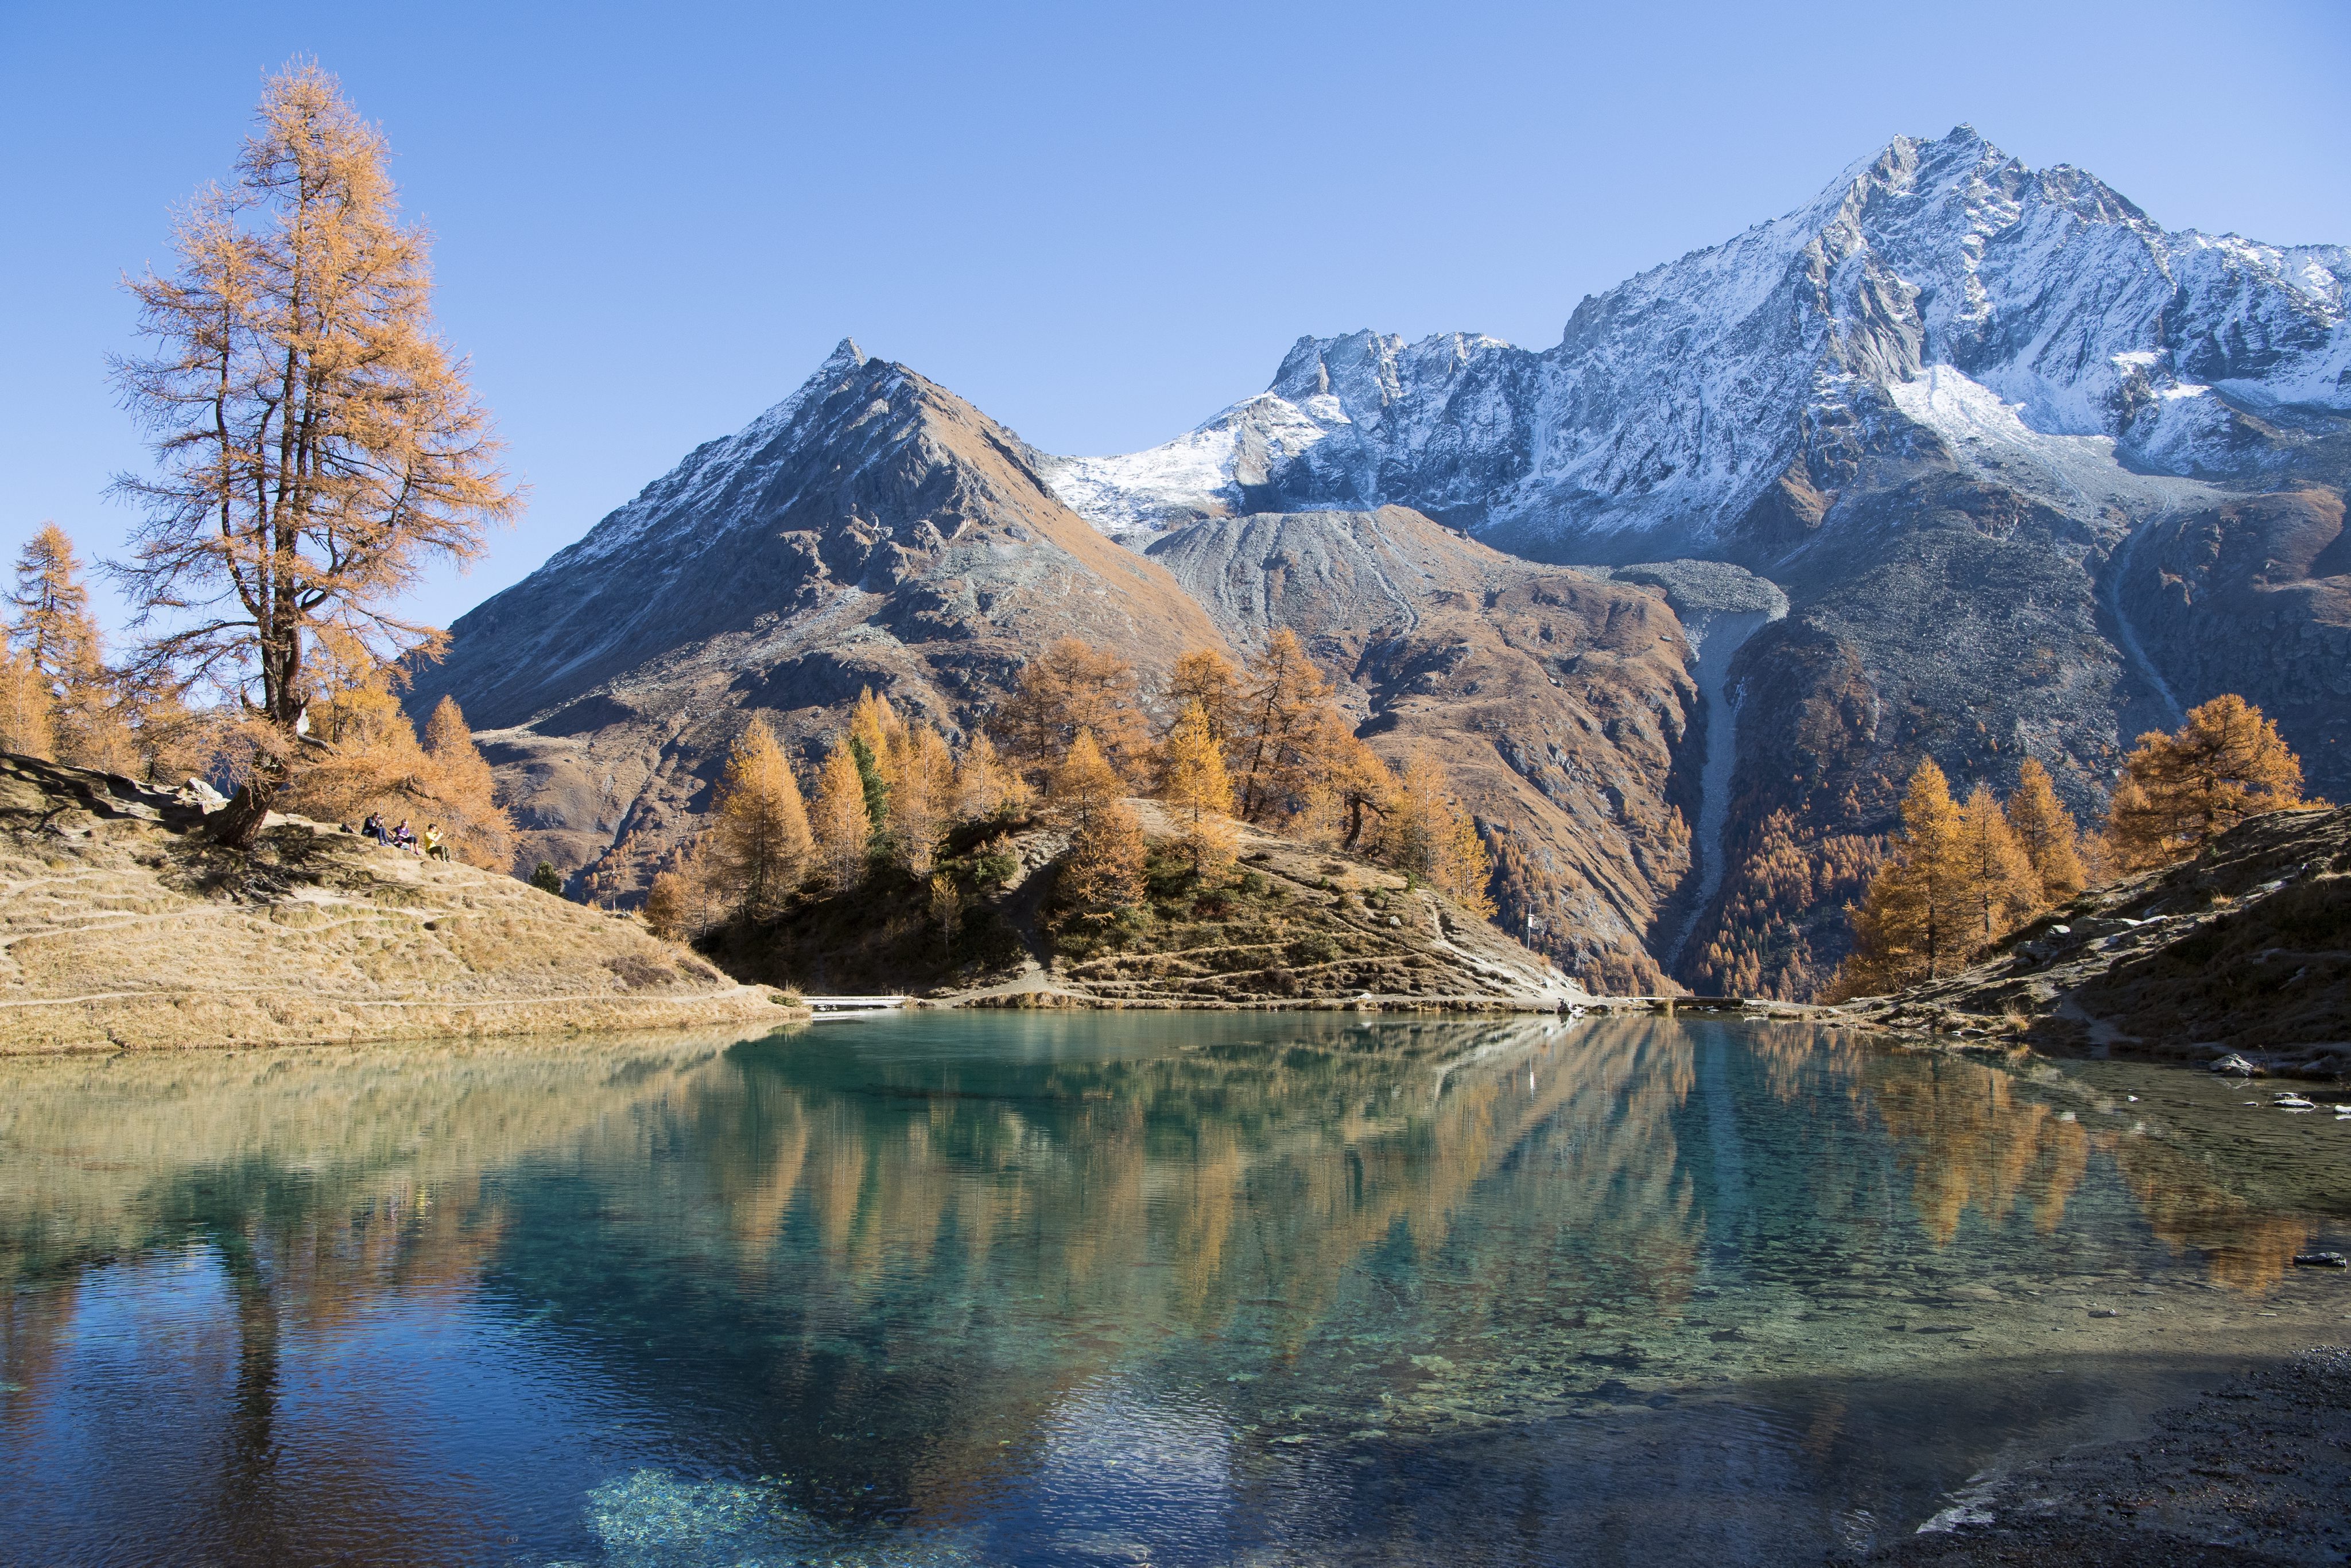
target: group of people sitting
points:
(401, 837)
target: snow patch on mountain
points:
(2073, 474)
(1200, 474)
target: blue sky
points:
(1100, 224)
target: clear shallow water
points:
(1103, 1289)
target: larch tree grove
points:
(1207, 679)
(55, 633)
(1281, 709)
(52, 624)
(839, 822)
(1068, 688)
(25, 707)
(985, 786)
(1105, 870)
(1084, 784)
(1353, 789)
(1998, 882)
(460, 780)
(1428, 835)
(317, 448)
(922, 795)
(1912, 922)
(370, 758)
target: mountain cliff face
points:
(2034, 473)
(870, 530)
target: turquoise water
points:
(1107, 1289)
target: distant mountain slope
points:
(870, 530)
(1560, 705)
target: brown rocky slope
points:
(123, 926)
(1563, 706)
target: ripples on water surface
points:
(1179, 1289)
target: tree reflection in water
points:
(924, 1267)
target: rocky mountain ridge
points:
(2060, 318)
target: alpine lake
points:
(1176, 1288)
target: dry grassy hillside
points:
(121, 927)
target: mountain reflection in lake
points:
(1020, 1288)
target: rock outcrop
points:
(2245, 952)
(124, 927)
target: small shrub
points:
(638, 972)
(544, 878)
(1318, 948)
(1253, 884)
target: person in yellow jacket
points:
(433, 844)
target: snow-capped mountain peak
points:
(1676, 401)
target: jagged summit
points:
(1943, 405)
(712, 461)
